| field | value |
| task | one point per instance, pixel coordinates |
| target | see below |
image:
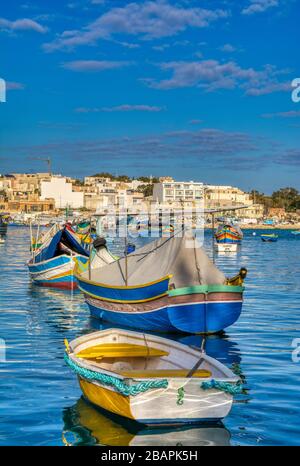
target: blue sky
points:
(193, 89)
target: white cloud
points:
(94, 65)
(259, 6)
(227, 48)
(147, 20)
(289, 114)
(24, 24)
(212, 75)
(121, 108)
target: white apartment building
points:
(177, 191)
(61, 191)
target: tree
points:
(146, 189)
(286, 198)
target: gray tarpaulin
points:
(180, 256)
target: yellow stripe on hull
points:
(123, 287)
(60, 275)
(123, 301)
(106, 399)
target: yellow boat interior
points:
(139, 356)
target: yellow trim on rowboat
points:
(121, 287)
(164, 373)
(120, 350)
(122, 300)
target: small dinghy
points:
(295, 232)
(272, 238)
(150, 379)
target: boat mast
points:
(126, 247)
(90, 250)
(213, 235)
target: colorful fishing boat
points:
(169, 285)
(295, 232)
(229, 234)
(55, 256)
(86, 425)
(151, 379)
(271, 238)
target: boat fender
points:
(99, 242)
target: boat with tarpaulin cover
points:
(169, 285)
(150, 379)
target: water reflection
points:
(86, 425)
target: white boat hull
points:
(227, 247)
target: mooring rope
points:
(118, 384)
(226, 387)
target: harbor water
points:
(40, 400)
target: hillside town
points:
(29, 196)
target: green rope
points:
(227, 387)
(118, 384)
(180, 396)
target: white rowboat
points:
(151, 379)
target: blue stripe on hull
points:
(50, 264)
(229, 241)
(128, 294)
(211, 317)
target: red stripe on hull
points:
(60, 285)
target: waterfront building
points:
(225, 196)
(62, 192)
(177, 192)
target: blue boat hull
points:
(57, 272)
(206, 317)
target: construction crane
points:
(44, 159)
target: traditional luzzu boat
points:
(169, 285)
(85, 425)
(54, 257)
(228, 234)
(271, 238)
(150, 379)
(295, 232)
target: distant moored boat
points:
(272, 238)
(229, 234)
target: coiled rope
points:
(118, 384)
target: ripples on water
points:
(40, 401)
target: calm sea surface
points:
(40, 401)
